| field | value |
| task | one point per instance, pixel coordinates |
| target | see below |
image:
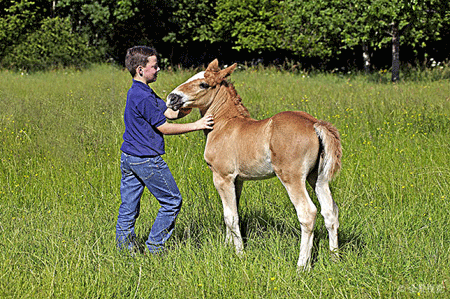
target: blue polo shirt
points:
(144, 112)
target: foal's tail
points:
(331, 153)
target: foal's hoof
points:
(240, 253)
(303, 268)
(334, 256)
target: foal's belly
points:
(255, 177)
(258, 169)
(241, 148)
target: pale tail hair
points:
(330, 157)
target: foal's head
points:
(199, 91)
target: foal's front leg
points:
(225, 185)
(238, 190)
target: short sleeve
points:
(152, 110)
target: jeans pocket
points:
(144, 168)
(124, 167)
(159, 163)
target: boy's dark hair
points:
(137, 56)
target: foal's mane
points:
(236, 98)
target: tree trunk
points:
(366, 57)
(395, 53)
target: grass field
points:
(60, 134)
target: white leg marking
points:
(330, 213)
(306, 213)
(226, 189)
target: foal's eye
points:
(204, 85)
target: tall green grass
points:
(60, 134)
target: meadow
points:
(60, 137)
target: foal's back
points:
(257, 149)
(294, 144)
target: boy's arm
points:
(172, 114)
(205, 122)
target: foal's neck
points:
(226, 104)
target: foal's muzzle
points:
(174, 101)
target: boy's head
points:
(138, 56)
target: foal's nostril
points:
(174, 101)
(173, 98)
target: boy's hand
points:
(206, 122)
(173, 115)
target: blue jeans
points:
(153, 173)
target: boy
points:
(143, 144)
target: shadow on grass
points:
(260, 224)
(348, 241)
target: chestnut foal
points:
(292, 145)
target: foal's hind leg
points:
(306, 213)
(329, 210)
(226, 188)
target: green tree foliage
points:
(192, 21)
(17, 19)
(322, 29)
(52, 45)
(98, 19)
(32, 38)
(381, 23)
(313, 28)
(248, 24)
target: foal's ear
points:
(214, 75)
(213, 66)
(225, 73)
(229, 70)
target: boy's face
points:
(149, 73)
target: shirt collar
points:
(141, 85)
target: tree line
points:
(366, 34)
